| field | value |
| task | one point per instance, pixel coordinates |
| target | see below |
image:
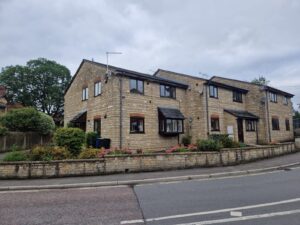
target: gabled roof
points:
(241, 114)
(268, 88)
(130, 73)
(225, 86)
(147, 77)
(171, 113)
(179, 74)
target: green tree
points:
(261, 80)
(41, 84)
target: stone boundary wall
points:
(139, 163)
(24, 140)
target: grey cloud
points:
(232, 38)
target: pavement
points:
(267, 165)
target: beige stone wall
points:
(255, 102)
(283, 112)
(147, 105)
(107, 106)
(195, 103)
(191, 102)
(140, 163)
(104, 105)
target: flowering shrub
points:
(177, 148)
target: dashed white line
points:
(252, 217)
(211, 212)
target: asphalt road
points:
(272, 198)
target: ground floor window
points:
(137, 125)
(97, 126)
(171, 126)
(215, 124)
(287, 124)
(250, 125)
(275, 123)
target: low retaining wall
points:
(24, 140)
(139, 163)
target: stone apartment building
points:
(152, 112)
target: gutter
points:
(268, 116)
(121, 111)
(207, 113)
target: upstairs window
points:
(250, 125)
(167, 91)
(273, 97)
(97, 88)
(213, 91)
(215, 124)
(136, 86)
(287, 125)
(285, 100)
(137, 125)
(237, 96)
(85, 93)
(275, 123)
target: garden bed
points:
(110, 164)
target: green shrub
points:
(91, 138)
(28, 119)
(46, 124)
(186, 140)
(224, 140)
(208, 145)
(3, 131)
(89, 153)
(15, 156)
(47, 153)
(71, 138)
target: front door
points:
(240, 130)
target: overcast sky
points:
(233, 38)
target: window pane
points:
(87, 93)
(136, 125)
(162, 90)
(133, 85)
(179, 126)
(215, 124)
(169, 126)
(174, 122)
(83, 94)
(140, 86)
(167, 91)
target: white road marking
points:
(243, 218)
(212, 212)
(236, 213)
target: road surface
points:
(271, 198)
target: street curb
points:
(151, 180)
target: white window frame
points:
(97, 88)
(85, 93)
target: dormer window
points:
(273, 97)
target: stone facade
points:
(116, 105)
(140, 163)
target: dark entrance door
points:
(240, 130)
